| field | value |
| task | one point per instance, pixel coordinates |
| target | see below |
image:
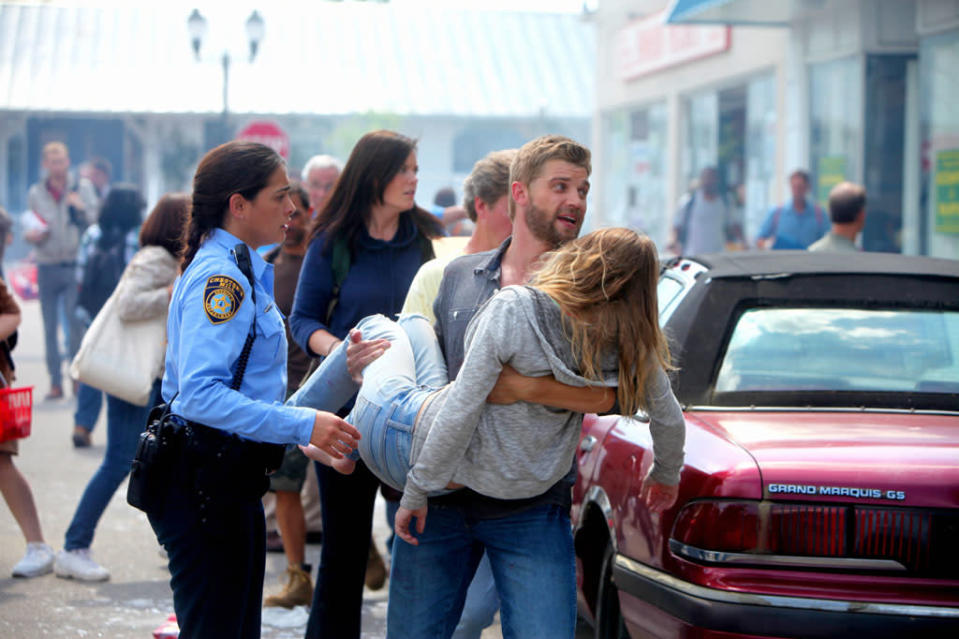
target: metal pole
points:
(226, 85)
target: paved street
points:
(137, 598)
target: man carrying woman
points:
(531, 532)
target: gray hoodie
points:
(520, 450)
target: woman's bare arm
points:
(512, 387)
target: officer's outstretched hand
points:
(333, 435)
(401, 523)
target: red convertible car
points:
(820, 491)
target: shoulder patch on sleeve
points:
(222, 298)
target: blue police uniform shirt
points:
(211, 312)
(795, 229)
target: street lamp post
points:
(255, 30)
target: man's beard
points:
(543, 227)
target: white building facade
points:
(860, 90)
(121, 81)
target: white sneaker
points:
(38, 561)
(77, 564)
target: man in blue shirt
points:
(797, 225)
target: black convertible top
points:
(700, 326)
(750, 263)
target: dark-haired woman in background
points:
(116, 229)
(373, 236)
(223, 320)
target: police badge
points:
(222, 298)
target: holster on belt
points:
(224, 466)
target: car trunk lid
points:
(896, 459)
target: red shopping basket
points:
(16, 410)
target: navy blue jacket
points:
(379, 276)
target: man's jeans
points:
(530, 552)
(482, 602)
(56, 283)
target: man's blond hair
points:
(533, 155)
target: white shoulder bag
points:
(121, 358)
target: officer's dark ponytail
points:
(234, 167)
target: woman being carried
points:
(590, 317)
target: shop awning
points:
(327, 58)
(740, 12)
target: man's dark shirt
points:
(286, 271)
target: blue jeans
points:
(57, 287)
(531, 556)
(125, 422)
(394, 388)
(481, 604)
(89, 401)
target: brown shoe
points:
(298, 591)
(56, 392)
(375, 569)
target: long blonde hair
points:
(605, 283)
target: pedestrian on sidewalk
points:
(38, 559)
(89, 399)
(61, 207)
(142, 291)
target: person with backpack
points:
(367, 244)
(796, 225)
(104, 265)
(95, 285)
(705, 221)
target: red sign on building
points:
(650, 45)
(268, 133)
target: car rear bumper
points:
(770, 615)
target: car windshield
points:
(842, 349)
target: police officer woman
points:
(225, 381)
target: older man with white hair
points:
(319, 175)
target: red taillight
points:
(763, 527)
(724, 526)
(857, 536)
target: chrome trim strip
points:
(784, 561)
(816, 409)
(754, 599)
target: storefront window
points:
(835, 115)
(702, 139)
(734, 130)
(939, 59)
(760, 153)
(635, 171)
